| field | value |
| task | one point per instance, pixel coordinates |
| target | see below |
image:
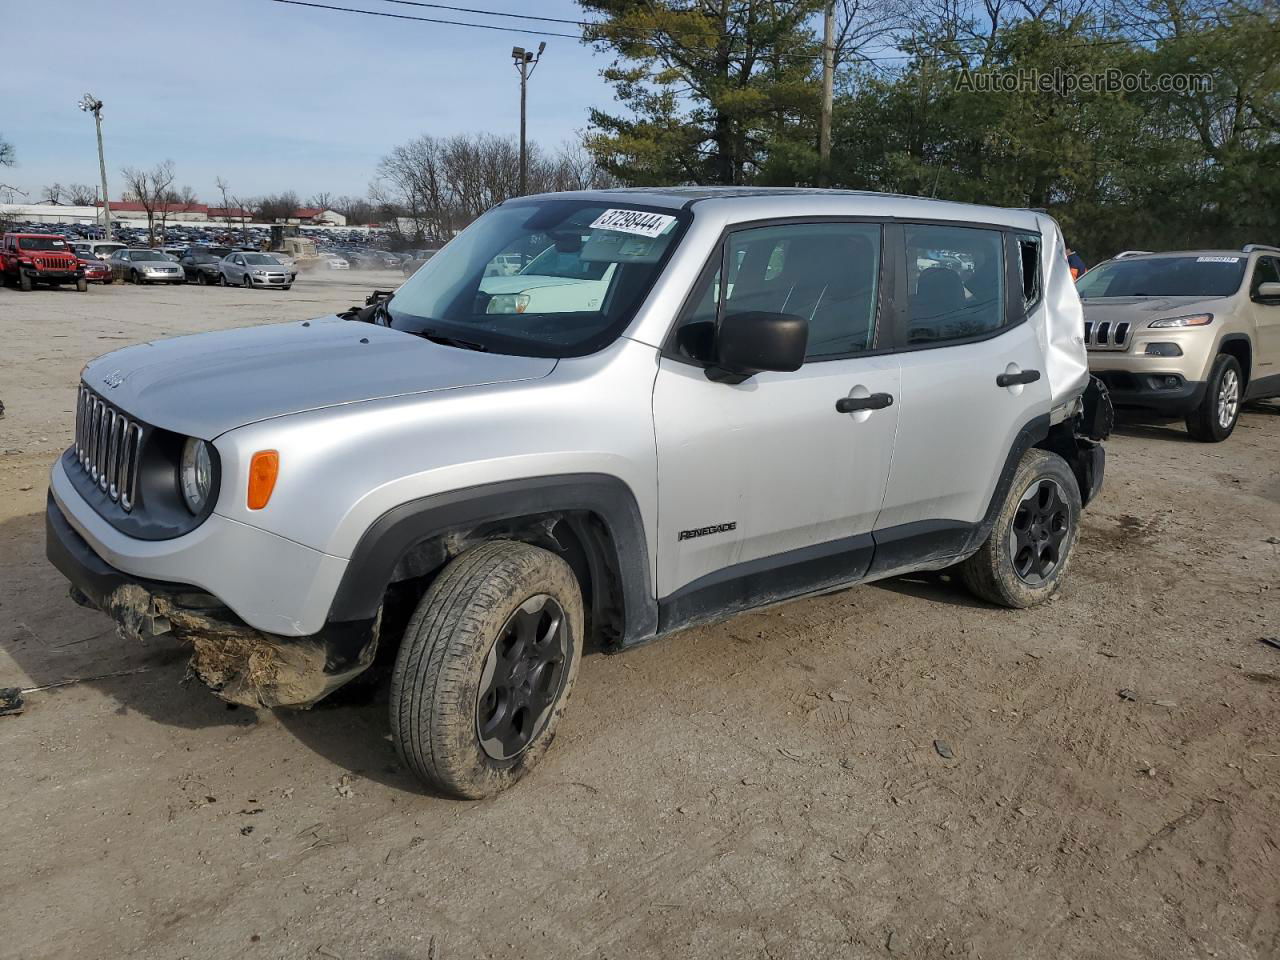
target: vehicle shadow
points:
(48, 641)
(938, 586)
(1147, 426)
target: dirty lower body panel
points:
(239, 663)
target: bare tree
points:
(7, 155)
(278, 206)
(81, 194)
(323, 200)
(152, 189)
(52, 193)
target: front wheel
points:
(246, 282)
(24, 282)
(82, 285)
(485, 668)
(1025, 558)
(1215, 418)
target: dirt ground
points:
(767, 787)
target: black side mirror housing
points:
(751, 343)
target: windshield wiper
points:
(451, 341)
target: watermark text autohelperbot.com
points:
(1114, 80)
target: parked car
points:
(686, 449)
(1192, 333)
(143, 266)
(554, 281)
(98, 249)
(255, 270)
(203, 264)
(96, 271)
(409, 266)
(28, 259)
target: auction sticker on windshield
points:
(633, 221)
(1217, 259)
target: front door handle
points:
(1025, 376)
(877, 401)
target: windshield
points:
(42, 243)
(147, 255)
(1211, 275)
(556, 278)
(261, 259)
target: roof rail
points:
(1250, 247)
(1130, 253)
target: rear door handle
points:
(1025, 376)
(877, 401)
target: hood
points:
(209, 383)
(521, 282)
(1142, 310)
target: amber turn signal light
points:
(262, 477)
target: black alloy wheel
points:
(1040, 525)
(522, 677)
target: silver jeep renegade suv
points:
(591, 418)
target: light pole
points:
(91, 104)
(525, 61)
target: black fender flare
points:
(380, 549)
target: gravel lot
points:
(765, 787)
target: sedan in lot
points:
(255, 270)
(95, 270)
(145, 266)
(203, 264)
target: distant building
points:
(170, 212)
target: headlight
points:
(195, 476)
(1194, 320)
(508, 303)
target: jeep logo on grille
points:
(113, 379)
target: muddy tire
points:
(485, 668)
(1216, 417)
(1025, 559)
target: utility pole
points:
(91, 104)
(828, 87)
(525, 61)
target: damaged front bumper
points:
(238, 662)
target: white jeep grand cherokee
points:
(753, 395)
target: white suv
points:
(774, 393)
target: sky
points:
(274, 97)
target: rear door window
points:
(955, 283)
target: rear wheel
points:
(1026, 556)
(1216, 417)
(222, 280)
(485, 667)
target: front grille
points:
(1106, 335)
(54, 263)
(109, 447)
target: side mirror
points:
(751, 343)
(1269, 291)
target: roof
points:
(746, 203)
(132, 206)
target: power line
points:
(794, 57)
(451, 23)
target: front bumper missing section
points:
(239, 663)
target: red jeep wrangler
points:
(31, 258)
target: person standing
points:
(1076, 263)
